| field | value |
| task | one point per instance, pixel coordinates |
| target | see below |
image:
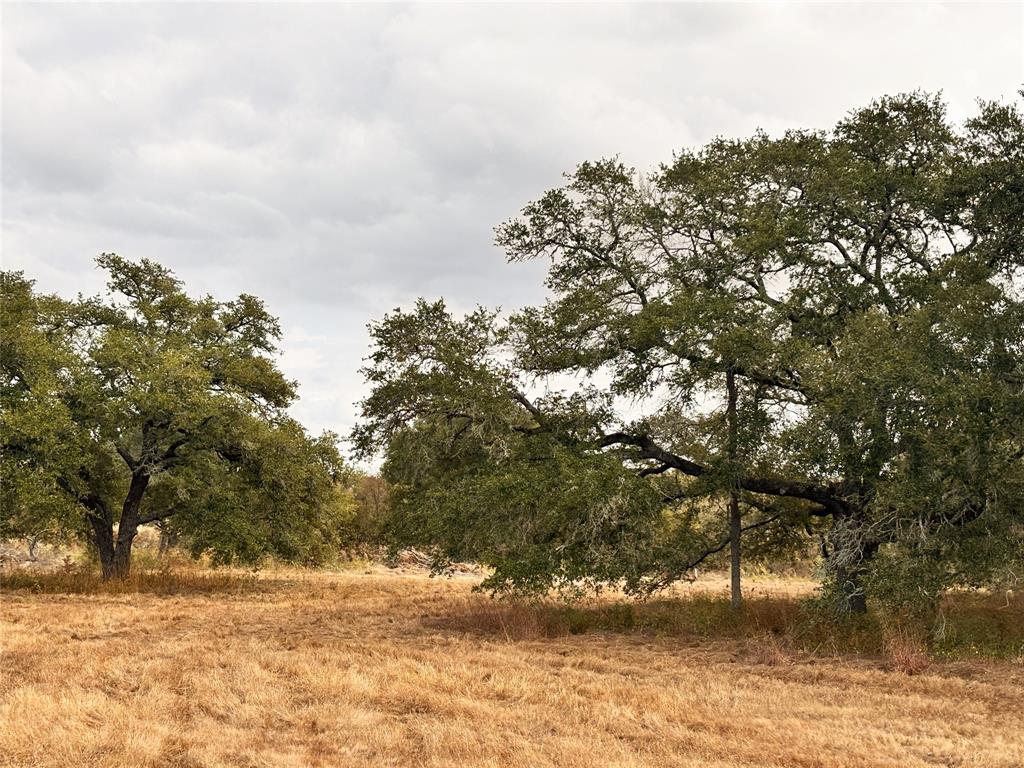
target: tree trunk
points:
(735, 534)
(735, 520)
(858, 602)
(852, 597)
(128, 527)
(168, 539)
(122, 564)
(849, 575)
(103, 538)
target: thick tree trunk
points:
(120, 557)
(852, 597)
(735, 520)
(851, 591)
(858, 602)
(122, 564)
(103, 538)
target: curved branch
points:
(130, 460)
(770, 486)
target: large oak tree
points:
(861, 286)
(148, 405)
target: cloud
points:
(340, 160)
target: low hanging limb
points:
(680, 573)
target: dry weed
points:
(906, 651)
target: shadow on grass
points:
(969, 625)
(981, 625)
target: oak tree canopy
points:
(863, 285)
(149, 405)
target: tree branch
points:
(153, 517)
(770, 486)
(670, 578)
(130, 460)
(655, 470)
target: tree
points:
(33, 418)
(372, 496)
(862, 288)
(148, 405)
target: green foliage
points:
(863, 284)
(542, 519)
(149, 405)
(35, 420)
(371, 512)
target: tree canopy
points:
(863, 285)
(150, 405)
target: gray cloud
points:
(340, 160)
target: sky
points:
(339, 161)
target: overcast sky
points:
(341, 160)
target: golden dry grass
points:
(385, 669)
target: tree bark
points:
(830, 497)
(103, 538)
(735, 521)
(735, 536)
(168, 539)
(122, 564)
(127, 527)
(852, 597)
(849, 576)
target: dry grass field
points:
(391, 669)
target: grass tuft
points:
(906, 651)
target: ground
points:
(380, 668)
